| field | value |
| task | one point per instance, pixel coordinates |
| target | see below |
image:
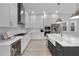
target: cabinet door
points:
(13, 15)
(73, 25)
(64, 26)
(39, 22)
(36, 21)
(32, 22)
(4, 15)
(24, 42)
(51, 48)
(26, 21)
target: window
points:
(64, 26)
(73, 26)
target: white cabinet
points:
(7, 47)
(65, 26)
(24, 42)
(36, 21)
(13, 15)
(8, 14)
(27, 21)
(32, 21)
(73, 25)
(4, 15)
(5, 50)
(39, 22)
(10, 48)
(70, 25)
(36, 34)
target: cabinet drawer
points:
(58, 46)
(59, 50)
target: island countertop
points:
(66, 40)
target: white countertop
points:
(53, 37)
(65, 40)
(10, 41)
(69, 44)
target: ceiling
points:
(50, 7)
(65, 9)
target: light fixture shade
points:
(75, 15)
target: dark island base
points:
(59, 50)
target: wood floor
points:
(37, 48)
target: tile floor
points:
(37, 48)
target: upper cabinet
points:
(4, 15)
(8, 15)
(13, 15)
(70, 25)
(35, 21)
(27, 20)
(65, 26)
(73, 25)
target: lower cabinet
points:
(24, 42)
(51, 48)
(66, 51)
(59, 50)
(15, 49)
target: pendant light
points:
(76, 14)
(59, 20)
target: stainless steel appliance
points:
(55, 28)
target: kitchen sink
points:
(20, 34)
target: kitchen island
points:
(66, 45)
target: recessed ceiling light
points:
(32, 12)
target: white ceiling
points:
(50, 7)
(65, 9)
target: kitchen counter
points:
(6, 45)
(10, 41)
(68, 44)
(53, 38)
(66, 40)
